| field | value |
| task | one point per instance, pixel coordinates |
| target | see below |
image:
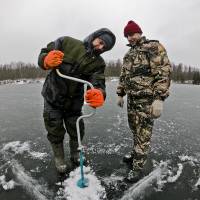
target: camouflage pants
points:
(58, 121)
(141, 124)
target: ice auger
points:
(82, 182)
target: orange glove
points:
(94, 97)
(53, 59)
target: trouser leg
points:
(141, 127)
(54, 125)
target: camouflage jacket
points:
(145, 71)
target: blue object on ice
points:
(82, 182)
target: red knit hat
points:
(131, 28)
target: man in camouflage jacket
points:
(145, 78)
(63, 99)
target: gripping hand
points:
(53, 59)
(94, 97)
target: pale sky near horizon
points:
(28, 25)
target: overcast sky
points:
(28, 25)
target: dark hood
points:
(88, 40)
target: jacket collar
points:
(139, 43)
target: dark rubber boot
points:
(133, 176)
(128, 158)
(58, 151)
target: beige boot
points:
(58, 151)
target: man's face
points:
(98, 44)
(133, 38)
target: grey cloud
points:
(27, 26)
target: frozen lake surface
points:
(27, 170)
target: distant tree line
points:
(20, 70)
(185, 74)
(113, 68)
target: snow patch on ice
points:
(73, 192)
(112, 178)
(109, 130)
(108, 149)
(191, 159)
(169, 177)
(21, 81)
(17, 147)
(29, 183)
(114, 182)
(37, 169)
(22, 178)
(173, 178)
(21, 147)
(38, 155)
(7, 185)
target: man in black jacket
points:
(63, 99)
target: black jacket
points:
(79, 61)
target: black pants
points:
(55, 119)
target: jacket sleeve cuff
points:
(41, 61)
